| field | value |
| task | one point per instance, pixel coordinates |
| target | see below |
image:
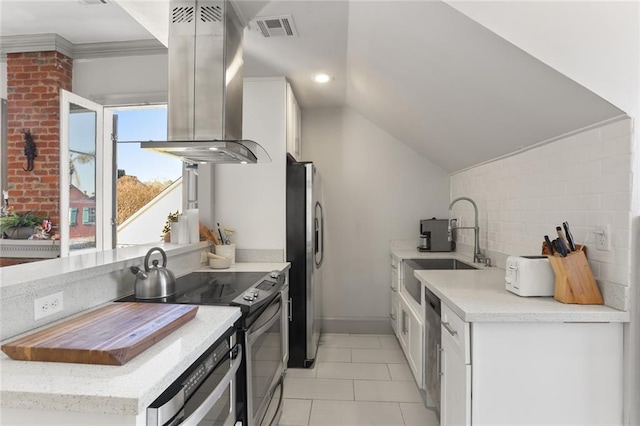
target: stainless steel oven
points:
(205, 394)
(266, 357)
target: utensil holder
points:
(226, 250)
(574, 282)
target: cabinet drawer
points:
(458, 330)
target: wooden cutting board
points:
(111, 335)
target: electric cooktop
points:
(221, 289)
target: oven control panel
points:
(202, 372)
(262, 291)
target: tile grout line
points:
(309, 416)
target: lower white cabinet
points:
(395, 303)
(411, 330)
(455, 385)
(530, 373)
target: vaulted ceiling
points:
(422, 71)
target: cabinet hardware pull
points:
(290, 309)
(404, 322)
(439, 351)
(394, 289)
(392, 316)
(447, 327)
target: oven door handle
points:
(200, 412)
(253, 335)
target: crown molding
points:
(35, 43)
(54, 42)
(118, 48)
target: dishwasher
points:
(432, 350)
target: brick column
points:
(34, 81)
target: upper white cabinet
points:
(294, 125)
(252, 197)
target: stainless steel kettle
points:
(157, 281)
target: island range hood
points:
(205, 86)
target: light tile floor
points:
(356, 380)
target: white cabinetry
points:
(411, 328)
(294, 125)
(407, 322)
(395, 301)
(455, 365)
(252, 198)
(542, 373)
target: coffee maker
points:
(434, 236)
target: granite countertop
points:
(480, 296)
(120, 390)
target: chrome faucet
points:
(477, 254)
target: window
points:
(73, 216)
(88, 215)
(149, 185)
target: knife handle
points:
(547, 241)
(570, 240)
(562, 248)
(561, 236)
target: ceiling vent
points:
(274, 26)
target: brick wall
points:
(34, 81)
(584, 179)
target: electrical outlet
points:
(603, 238)
(47, 305)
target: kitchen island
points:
(505, 359)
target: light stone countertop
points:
(249, 267)
(480, 296)
(122, 390)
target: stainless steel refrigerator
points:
(305, 251)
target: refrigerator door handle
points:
(319, 234)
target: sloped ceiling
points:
(453, 90)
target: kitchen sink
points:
(412, 284)
(438, 264)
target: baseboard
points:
(357, 325)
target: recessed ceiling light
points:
(322, 78)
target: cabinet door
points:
(294, 125)
(455, 403)
(416, 348)
(403, 324)
(395, 301)
(394, 313)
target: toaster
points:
(529, 276)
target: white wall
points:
(583, 179)
(376, 189)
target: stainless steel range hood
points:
(205, 86)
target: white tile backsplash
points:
(584, 179)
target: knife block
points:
(574, 281)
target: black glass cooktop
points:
(208, 288)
